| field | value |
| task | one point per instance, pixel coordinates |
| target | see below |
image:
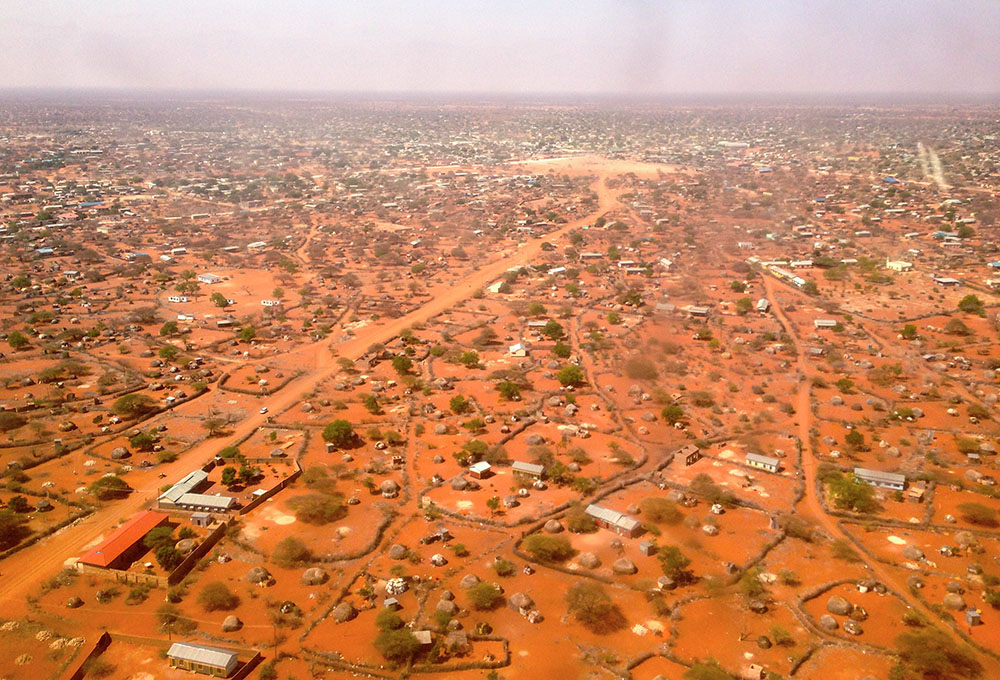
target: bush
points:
(578, 521)
(660, 510)
(484, 596)
(930, 653)
(639, 368)
(548, 548)
(504, 568)
(978, 514)
(396, 645)
(340, 433)
(318, 509)
(217, 596)
(290, 552)
(387, 619)
(708, 670)
(849, 494)
(134, 405)
(589, 604)
(570, 376)
(109, 487)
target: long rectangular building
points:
(123, 545)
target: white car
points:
(263, 409)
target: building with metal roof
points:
(886, 480)
(529, 469)
(124, 544)
(213, 661)
(763, 462)
(614, 520)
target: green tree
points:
(675, 564)
(134, 405)
(672, 413)
(508, 390)
(459, 405)
(216, 596)
(229, 475)
(562, 350)
(810, 288)
(340, 433)
(169, 352)
(909, 332)
(469, 359)
(109, 487)
(397, 645)
(591, 605)
(219, 300)
(570, 375)
(484, 596)
(402, 364)
(548, 548)
(17, 340)
(168, 328)
(553, 330)
(971, 304)
(246, 334)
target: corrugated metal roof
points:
(209, 656)
(763, 460)
(190, 481)
(123, 538)
(207, 501)
(878, 475)
(529, 468)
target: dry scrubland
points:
(434, 344)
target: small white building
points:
(270, 303)
(517, 350)
(209, 279)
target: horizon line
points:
(629, 97)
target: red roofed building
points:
(118, 550)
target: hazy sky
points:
(506, 46)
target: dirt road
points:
(23, 571)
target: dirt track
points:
(23, 571)
(810, 507)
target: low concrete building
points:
(219, 663)
(763, 462)
(528, 469)
(614, 521)
(885, 480)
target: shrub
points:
(930, 653)
(396, 645)
(578, 521)
(484, 596)
(318, 509)
(976, 513)
(660, 510)
(548, 548)
(291, 551)
(589, 604)
(640, 368)
(217, 596)
(340, 433)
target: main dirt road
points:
(811, 507)
(25, 570)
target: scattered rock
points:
(828, 622)
(398, 552)
(589, 560)
(468, 581)
(74, 602)
(231, 624)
